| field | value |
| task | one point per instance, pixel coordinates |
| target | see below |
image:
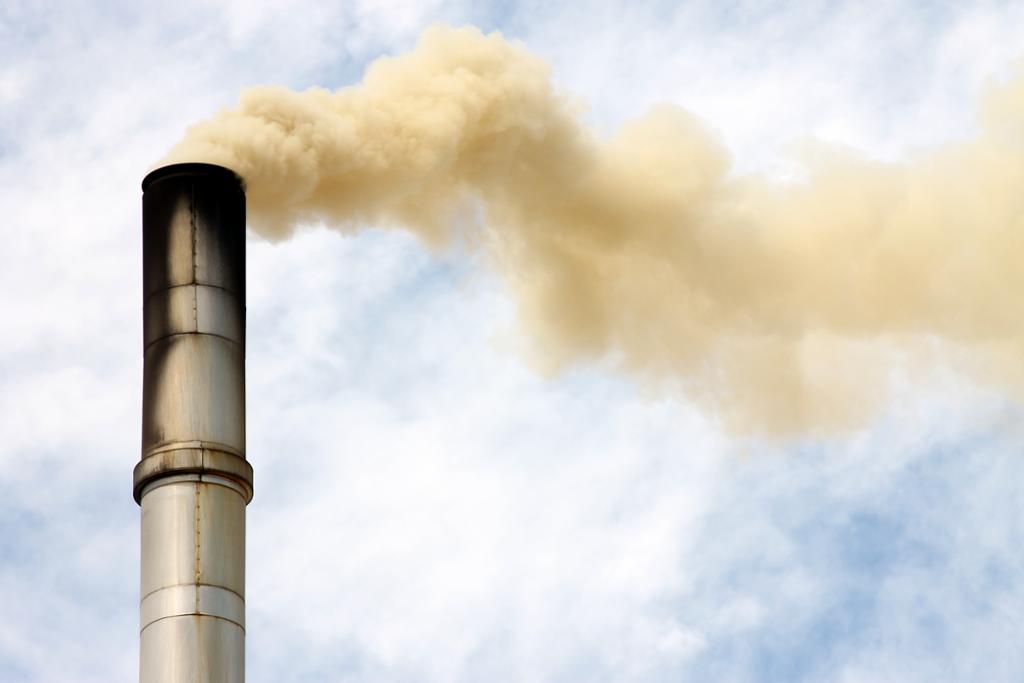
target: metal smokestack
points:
(193, 481)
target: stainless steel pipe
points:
(193, 481)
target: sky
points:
(428, 505)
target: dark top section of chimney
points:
(193, 228)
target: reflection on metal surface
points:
(192, 648)
(175, 601)
(193, 481)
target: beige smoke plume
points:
(785, 308)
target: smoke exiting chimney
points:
(782, 308)
(193, 481)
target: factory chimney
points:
(193, 481)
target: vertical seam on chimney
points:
(198, 565)
(195, 258)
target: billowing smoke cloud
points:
(783, 307)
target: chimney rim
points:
(193, 168)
